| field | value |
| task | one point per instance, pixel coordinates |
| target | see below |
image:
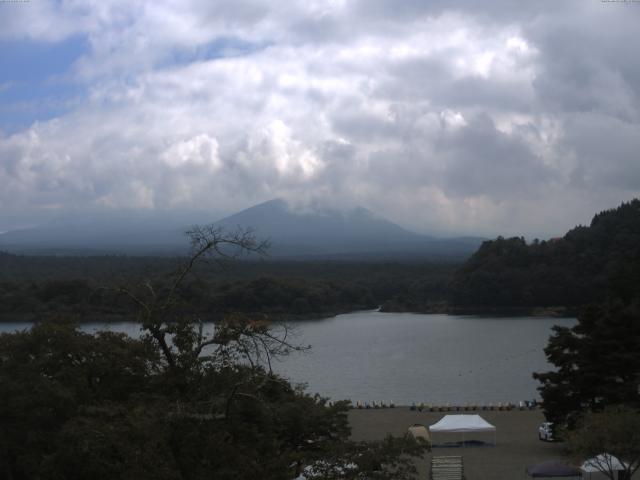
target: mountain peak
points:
(298, 230)
(318, 229)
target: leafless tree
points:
(610, 439)
(182, 338)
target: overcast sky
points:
(448, 117)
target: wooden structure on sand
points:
(447, 468)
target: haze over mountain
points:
(356, 232)
(115, 232)
(317, 232)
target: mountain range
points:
(315, 233)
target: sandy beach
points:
(517, 444)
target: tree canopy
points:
(611, 438)
(181, 402)
(582, 267)
(598, 360)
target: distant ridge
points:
(313, 233)
(356, 233)
(88, 237)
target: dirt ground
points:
(517, 444)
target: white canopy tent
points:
(463, 424)
(602, 463)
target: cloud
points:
(607, 150)
(449, 117)
(198, 152)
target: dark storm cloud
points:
(433, 79)
(609, 152)
(480, 160)
(588, 61)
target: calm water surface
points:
(412, 357)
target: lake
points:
(405, 358)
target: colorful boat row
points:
(374, 404)
(522, 405)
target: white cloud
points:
(452, 119)
(444, 116)
(200, 151)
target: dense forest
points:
(597, 360)
(583, 266)
(506, 275)
(89, 287)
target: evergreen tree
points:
(597, 360)
(589, 264)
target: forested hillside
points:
(579, 268)
(32, 287)
(506, 274)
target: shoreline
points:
(444, 309)
(517, 444)
(109, 318)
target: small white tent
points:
(602, 463)
(462, 424)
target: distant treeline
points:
(506, 275)
(582, 267)
(33, 287)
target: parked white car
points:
(545, 432)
